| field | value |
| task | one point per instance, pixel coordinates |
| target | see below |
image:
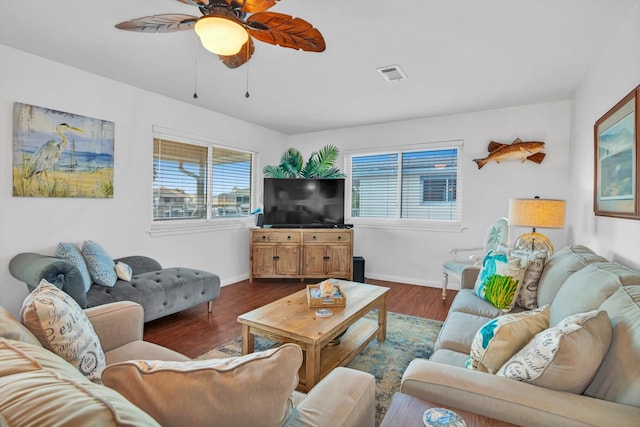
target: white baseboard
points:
(232, 280)
(398, 279)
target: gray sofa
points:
(161, 291)
(574, 280)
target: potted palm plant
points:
(321, 164)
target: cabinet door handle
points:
(326, 257)
(276, 257)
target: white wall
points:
(616, 71)
(120, 224)
(416, 256)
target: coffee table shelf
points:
(351, 344)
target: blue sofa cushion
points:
(101, 267)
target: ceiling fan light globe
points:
(221, 35)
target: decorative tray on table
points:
(326, 294)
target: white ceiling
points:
(459, 55)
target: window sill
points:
(407, 224)
(172, 228)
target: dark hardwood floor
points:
(195, 331)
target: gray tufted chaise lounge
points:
(160, 291)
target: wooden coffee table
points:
(406, 411)
(291, 320)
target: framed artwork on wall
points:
(616, 160)
(58, 154)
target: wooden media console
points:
(301, 253)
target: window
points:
(436, 189)
(189, 177)
(231, 183)
(420, 184)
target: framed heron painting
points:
(58, 154)
(617, 144)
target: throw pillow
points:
(590, 287)
(12, 329)
(499, 279)
(618, 378)
(101, 266)
(41, 389)
(255, 389)
(503, 336)
(565, 357)
(61, 326)
(528, 294)
(69, 252)
(124, 271)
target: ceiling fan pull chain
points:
(246, 95)
(195, 69)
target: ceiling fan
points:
(226, 30)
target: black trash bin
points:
(358, 269)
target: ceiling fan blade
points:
(286, 31)
(252, 6)
(234, 61)
(198, 3)
(168, 23)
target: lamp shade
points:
(221, 35)
(543, 213)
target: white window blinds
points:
(231, 183)
(412, 184)
(374, 189)
(179, 180)
(189, 177)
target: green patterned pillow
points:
(499, 279)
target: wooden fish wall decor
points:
(517, 150)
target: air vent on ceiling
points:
(392, 73)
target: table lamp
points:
(536, 213)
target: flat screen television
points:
(303, 202)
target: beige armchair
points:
(119, 325)
(40, 388)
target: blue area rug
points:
(408, 338)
